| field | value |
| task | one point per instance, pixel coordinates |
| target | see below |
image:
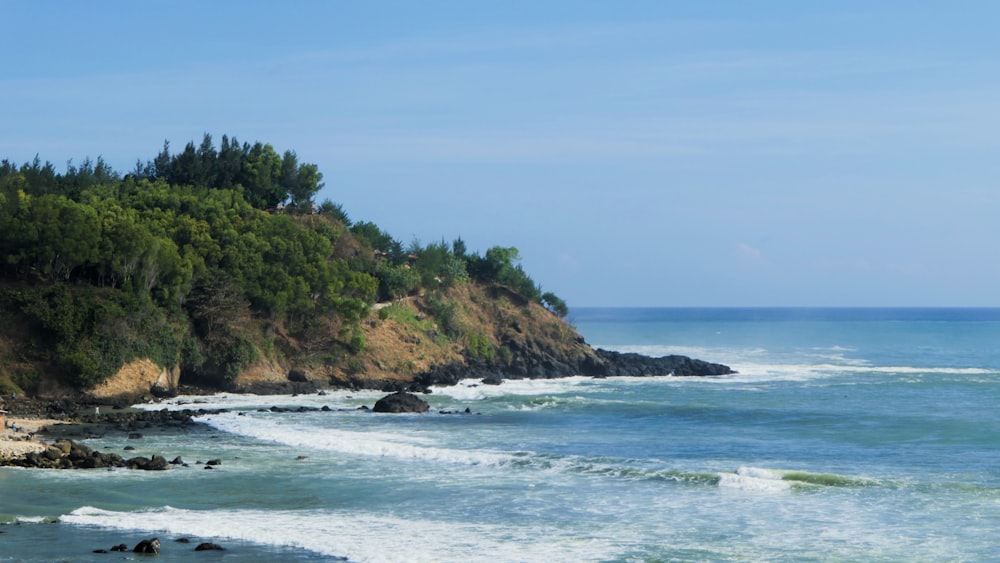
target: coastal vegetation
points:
(216, 259)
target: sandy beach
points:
(27, 438)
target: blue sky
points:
(773, 153)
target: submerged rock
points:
(207, 546)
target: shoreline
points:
(29, 438)
(37, 433)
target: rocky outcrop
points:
(636, 365)
(66, 454)
(401, 402)
(136, 379)
(540, 362)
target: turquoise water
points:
(847, 435)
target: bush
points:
(480, 347)
(233, 359)
(553, 303)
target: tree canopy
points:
(209, 235)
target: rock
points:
(177, 461)
(632, 364)
(151, 546)
(65, 446)
(137, 462)
(492, 380)
(209, 547)
(120, 547)
(158, 463)
(214, 462)
(298, 376)
(538, 357)
(401, 402)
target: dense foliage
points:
(193, 258)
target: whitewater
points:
(846, 435)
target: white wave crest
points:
(754, 479)
(340, 399)
(360, 536)
(377, 444)
(473, 390)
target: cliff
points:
(468, 330)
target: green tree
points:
(261, 177)
(309, 181)
(553, 303)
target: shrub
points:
(480, 347)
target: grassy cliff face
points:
(46, 342)
(485, 325)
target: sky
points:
(637, 153)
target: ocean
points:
(847, 435)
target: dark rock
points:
(137, 462)
(400, 402)
(182, 540)
(534, 358)
(120, 547)
(492, 380)
(209, 547)
(214, 462)
(93, 462)
(298, 376)
(100, 551)
(177, 461)
(157, 463)
(151, 546)
(632, 364)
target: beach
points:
(30, 436)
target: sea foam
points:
(378, 444)
(360, 536)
